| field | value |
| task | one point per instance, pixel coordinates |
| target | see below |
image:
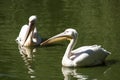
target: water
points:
(97, 22)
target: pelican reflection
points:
(69, 73)
(84, 73)
(28, 54)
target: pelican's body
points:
(28, 35)
(83, 56)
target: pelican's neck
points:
(70, 47)
(66, 61)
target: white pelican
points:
(28, 35)
(83, 56)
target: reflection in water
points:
(70, 73)
(28, 57)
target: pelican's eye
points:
(66, 32)
(20, 39)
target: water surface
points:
(97, 22)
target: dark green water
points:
(97, 22)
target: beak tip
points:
(43, 43)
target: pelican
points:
(28, 35)
(82, 56)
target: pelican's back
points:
(24, 30)
(90, 55)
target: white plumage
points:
(28, 35)
(83, 56)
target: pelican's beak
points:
(56, 38)
(29, 34)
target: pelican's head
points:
(32, 19)
(68, 34)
